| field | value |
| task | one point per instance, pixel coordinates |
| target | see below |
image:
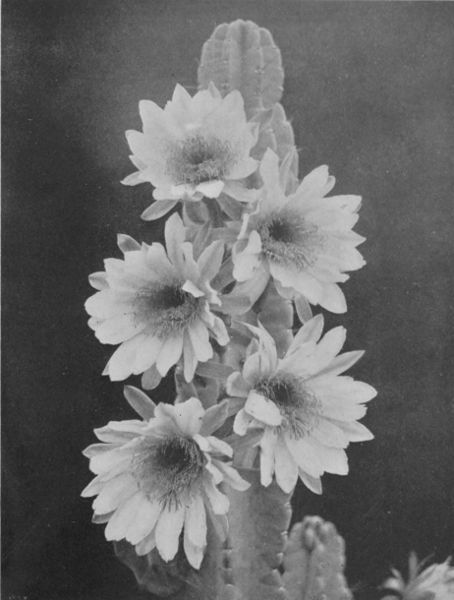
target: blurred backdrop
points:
(369, 89)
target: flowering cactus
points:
(196, 493)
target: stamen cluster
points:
(287, 239)
(298, 406)
(167, 469)
(198, 160)
(169, 308)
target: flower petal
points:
(158, 209)
(356, 432)
(195, 525)
(189, 358)
(298, 280)
(122, 517)
(267, 450)
(333, 298)
(219, 502)
(248, 260)
(326, 433)
(315, 185)
(219, 446)
(285, 468)
(267, 349)
(169, 354)
(342, 362)
(241, 422)
(167, 532)
(214, 418)
(305, 455)
(232, 477)
(211, 189)
(175, 234)
(333, 408)
(334, 460)
(188, 416)
(328, 347)
(200, 340)
(146, 517)
(114, 492)
(210, 261)
(262, 409)
(311, 331)
(312, 483)
(121, 363)
(342, 389)
(237, 386)
(146, 545)
(272, 195)
(139, 401)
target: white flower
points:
(156, 304)
(156, 476)
(194, 147)
(433, 583)
(308, 411)
(304, 241)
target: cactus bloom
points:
(436, 582)
(157, 305)
(196, 146)
(304, 241)
(157, 476)
(307, 410)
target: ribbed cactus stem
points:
(259, 518)
(314, 561)
(242, 56)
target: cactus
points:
(314, 561)
(245, 566)
(260, 517)
(176, 579)
(276, 133)
(242, 56)
(245, 561)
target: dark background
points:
(369, 89)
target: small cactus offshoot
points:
(314, 561)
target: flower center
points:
(287, 239)
(199, 159)
(169, 309)
(298, 406)
(167, 468)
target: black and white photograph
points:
(228, 300)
